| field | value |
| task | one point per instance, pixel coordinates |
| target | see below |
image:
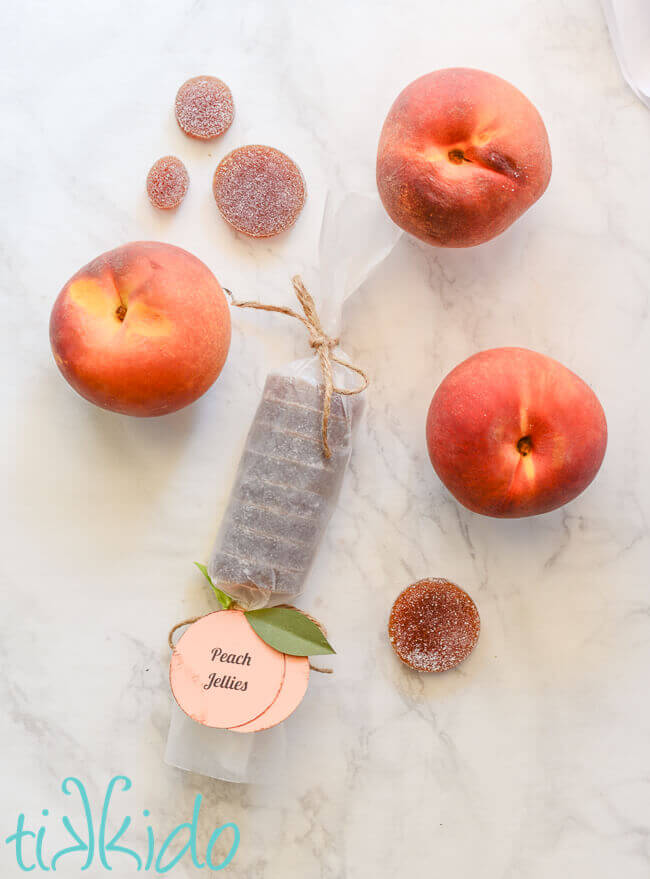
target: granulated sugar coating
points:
(433, 625)
(167, 183)
(259, 190)
(204, 107)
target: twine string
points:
(321, 342)
(236, 606)
(323, 345)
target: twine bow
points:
(321, 342)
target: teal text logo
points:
(91, 843)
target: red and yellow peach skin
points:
(514, 433)
(462, 154)
(143, 329)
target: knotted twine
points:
(236, 606)
(321, 342)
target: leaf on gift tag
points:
(289, 631)
(224, 600)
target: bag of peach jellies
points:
(289, 476)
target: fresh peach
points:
(143, 329)
(462, 155)
(514, 433)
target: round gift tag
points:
(221, 672)
(293, 689)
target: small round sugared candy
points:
(433, 625)
(167, 183)
(204, 107)
(259, 190)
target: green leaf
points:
(289, 631)
(224, 600)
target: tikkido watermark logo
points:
(95, 844)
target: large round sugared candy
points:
(259, 190)
(433, 625)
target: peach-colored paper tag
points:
(221, 672)
(296, 678)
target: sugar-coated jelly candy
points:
(284, 492)
(204, 107)
(259, 190)
(167, 183)
(434, 625)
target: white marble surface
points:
(531, 760)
